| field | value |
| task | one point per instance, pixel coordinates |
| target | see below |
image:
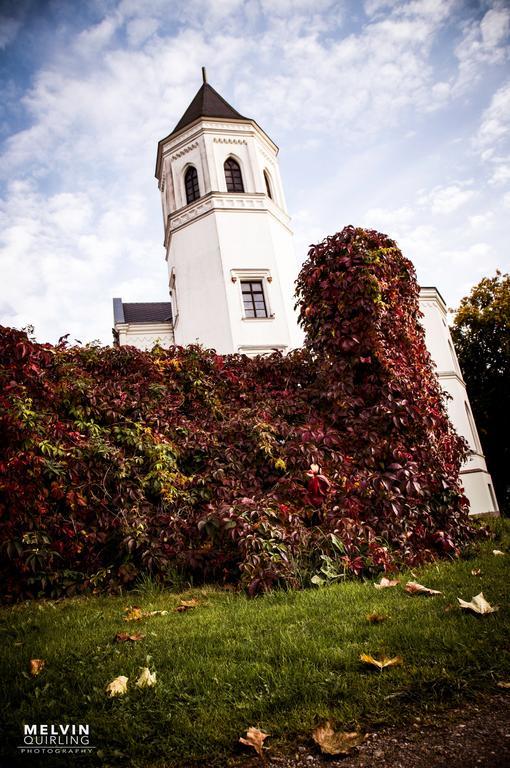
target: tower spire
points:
(204, 75)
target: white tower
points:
(228, 242)
(474, 476)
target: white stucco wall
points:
(198, 302)
(145, 335)
(475, 478)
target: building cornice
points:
(441, 375)
(212, 202)
(431, 294)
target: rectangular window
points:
(254, 300)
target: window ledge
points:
(258, 319)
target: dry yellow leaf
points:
(186, 605)
(476, 572)
(36, 666)
(498, 552)
(376, 618)
(146, 679)
(336, 743)
(124, 637)
(413, 588)
(381, 663)
(133, 613)
(503, 684)
(117, 687)
(255, 738)
(478, 604)
(385, 583)
(154, 613)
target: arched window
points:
(267, 179)
(233, 176)
(191, 184)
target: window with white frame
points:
(254, 293)
(254, 301)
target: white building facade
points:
(232, 267)
(229, 247)
(475, 478)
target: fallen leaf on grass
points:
(413, 588)
(36, 666)
(476, 572)
(478, 604)
(498, 552)
(124, 637)
(336, 743)
(133, 613)
(117, 687)
(376, 618)
(147, 678)
(385, 583)
(255, 738)
(503, 684)
(382, 663)
(186, 605)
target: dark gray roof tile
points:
(147, 312)
(207, 103)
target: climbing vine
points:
(337, 459)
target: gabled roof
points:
(142, 312)
(207, 103)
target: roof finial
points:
(204, 75)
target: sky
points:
(393, 115)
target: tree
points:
(481, 333)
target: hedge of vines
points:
(337, 459)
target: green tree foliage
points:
(481, 333)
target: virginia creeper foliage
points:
(336, 459)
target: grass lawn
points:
(283, 662)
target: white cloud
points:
(392, 220)
(65, 256)
(481, 220)
(501, 171)
(495, 124)
(483, 43)
(492, 139)
(138, 30)
(445, 200)
(495, 26)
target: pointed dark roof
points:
(207, 103)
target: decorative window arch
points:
(269, 186)
(233, 176)
(191, 184)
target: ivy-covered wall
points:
(338, 458)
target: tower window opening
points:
(191, 184)
(254, 301)
(474, 442)
(233, 176)
(268, 185)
